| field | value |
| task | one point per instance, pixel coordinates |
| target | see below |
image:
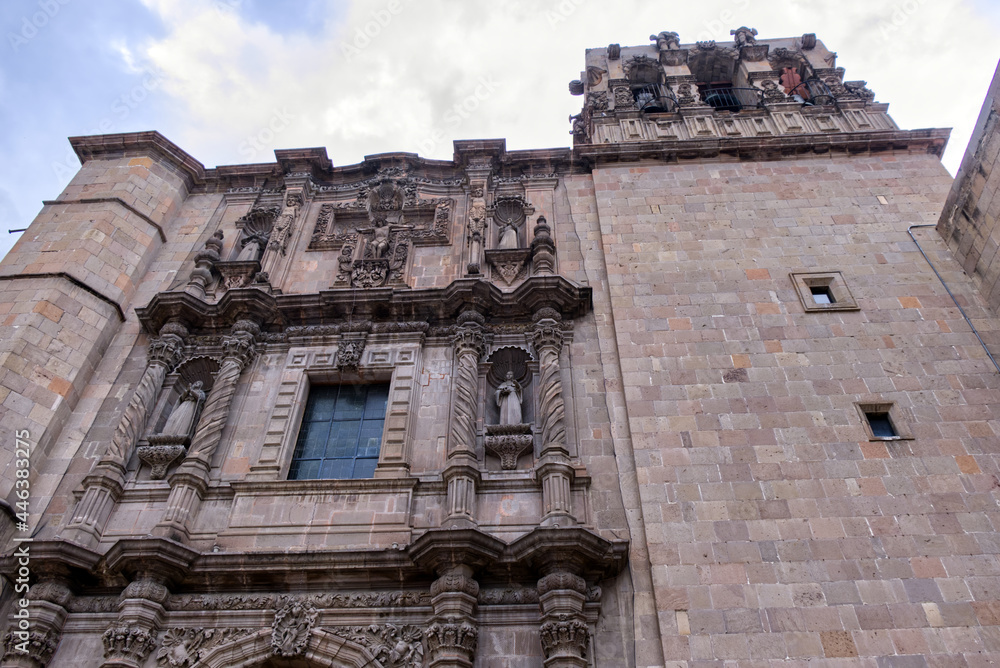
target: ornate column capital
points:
(127, 645)
(452, 641)
(239, 346)
(469, 338)
(564, 641)
(547, 333)
(30, 649)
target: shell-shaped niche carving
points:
(509, 215)
(255, 231)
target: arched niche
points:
(201, 368)
(519, 362)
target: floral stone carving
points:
(33, 648)
(508, 442)
(293, 623)
(183, 648)
(128, 644)
(391, 645)
(452, 635)
(564, 637)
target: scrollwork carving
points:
(183, 648)
(393, 646)
(455, 582)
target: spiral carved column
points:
(462, 470)
(553, 469)
(104, 485)
(189, 482)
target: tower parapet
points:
(745, 88)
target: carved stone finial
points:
(666, 41)
(543, 248)
(576, 87)
(293, 623)
(809, 41)
(614, 51)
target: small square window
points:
(883, 422)
(823, 291)
(341, 433)
(881, 425)
(822, 295)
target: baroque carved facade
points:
(681, 393)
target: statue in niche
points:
(508, 398)
(181, 420)
(508, 237)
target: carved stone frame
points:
(395, 361)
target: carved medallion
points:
(293, 623)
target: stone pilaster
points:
(103, 486)
(564, 633)
(554, 469)
(453, 635)
(543, 248)
(189, 482)
(462, 469)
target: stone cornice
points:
(438, 306)
(147, 143)
(932, 141)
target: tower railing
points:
(813, 91)
(727, 98)
(655, 98)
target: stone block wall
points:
(969, 218)
(777, 527)
(66, 289)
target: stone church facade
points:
(691, 392)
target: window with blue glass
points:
(341, 433)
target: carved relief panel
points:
(375, 232)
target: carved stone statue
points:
(744, 36)
(508, 398)
(508, 237)
(182, 418)
(667, 41)
(380, 242)
(251, 249)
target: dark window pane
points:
(350, 403)
(337, 468)
(320, 404)
(341, 434)
(365, 468)
(312, 442)
(881, 425)
(378, 398)
(304, 470)
(343, 439)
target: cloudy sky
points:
(231, 80)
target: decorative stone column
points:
(553, 469)
(453, 636)
(564, 633)
(47, 611)
(204, 263)
(103, 486)
(543, 248)
(477, 225)
(189, 482)
(462, 469)
(132, 637)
